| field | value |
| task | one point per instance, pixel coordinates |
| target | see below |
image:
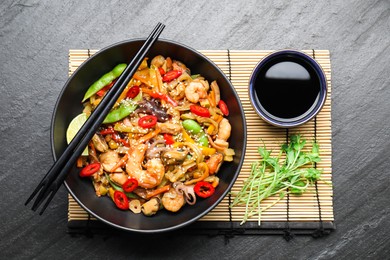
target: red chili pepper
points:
(130, 185)
(121, 200)
(200, 111)
(101, 92)
(90, 169)
(169, 139)
(147, 121)
(162, 71)
(204, 189)
(171, 75)
(224, 109)
(133, 92)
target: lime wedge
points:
(74, 127)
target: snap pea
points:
(104, 80)
(202, 139)
(194, 128)
(125, 108)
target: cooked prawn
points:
(173, 200)
(109, 159)
(119, 178)
(214, 163)
(154, 173)
(224, 129)
(170, 128)
(195, 91)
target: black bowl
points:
(69, 105)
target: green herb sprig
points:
(273, 175)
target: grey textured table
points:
(35, 36)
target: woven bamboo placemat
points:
(313, 209)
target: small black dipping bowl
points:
(287, 88)
(69, 105)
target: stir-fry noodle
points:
(163, 143)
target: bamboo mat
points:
(316, 205)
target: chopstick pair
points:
(54, 178)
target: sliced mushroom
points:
(151, 207)
(135, 206)
(99, 142)
(174, 157)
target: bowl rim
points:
(311, 113)
(209, 208)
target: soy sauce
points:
(287, 88)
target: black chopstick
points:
(54, 178)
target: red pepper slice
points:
(224, 109)
(147, 121)
(204, 189)
(118, 139)
(133, 92)
(103, 91)
(107, 131)
(200, 111)
(169, 139)
(164, 97)
(162, 71)
(90, 169)
(121, 201)
(160, 96)
(171, 75)
(130, 185)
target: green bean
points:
(125, 108)
(104, 80)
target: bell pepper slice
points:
(169, 139)
(224, 109)
(159, 96)
(200, 111)
(171, 75)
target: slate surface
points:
(35, 36)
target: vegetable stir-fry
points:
(162, 144)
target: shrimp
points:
(154, 173)
(109, 159)
(214, 163)
(217, 94)
(119, 178)
(224, 131)
(195, 91)
(170, 128)
(178, 92)
(173, 200)
(158, 61)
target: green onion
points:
(271, 176)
